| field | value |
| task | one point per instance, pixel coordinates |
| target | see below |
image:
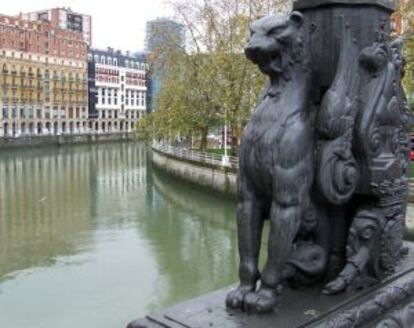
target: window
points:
(102, 60)
(115, 62)
(47, 112)
(5, 111)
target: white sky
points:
(115, 23)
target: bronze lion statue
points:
(328, 169)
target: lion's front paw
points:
(235, 298)
(335, 287)
(262, 301)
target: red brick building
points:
(41, 37)
(66, 19)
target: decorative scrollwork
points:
(338, 174)
(374, 141)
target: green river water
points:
(92, 236)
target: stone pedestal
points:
(387, 304)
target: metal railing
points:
(197, 156)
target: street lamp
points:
(225, 160)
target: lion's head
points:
(276, 43)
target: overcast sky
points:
(115, 23)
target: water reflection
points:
(42, 207)
(197, 244)
(91, 235)
(48, 199)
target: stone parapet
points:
(376, 306)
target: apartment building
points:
(43, 79)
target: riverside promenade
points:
(201, 168)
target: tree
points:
(409, 69)
(210, 83)
(404, 25)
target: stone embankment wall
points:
(217, 177)
(63, 139)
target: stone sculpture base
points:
(384, 305)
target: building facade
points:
(40, 37)
(65, 19)
(43, 79)
(161, 33)
(117, 90)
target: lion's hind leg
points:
(250, 217)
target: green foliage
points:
(409, 69)
(217, 151)
(404, 19)
(211, 83)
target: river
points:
(93, 236)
